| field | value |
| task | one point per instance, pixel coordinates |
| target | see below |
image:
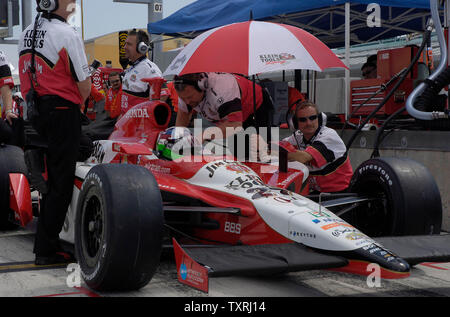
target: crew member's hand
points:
(300, 156)
(9, 116)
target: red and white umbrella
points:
(253, 47)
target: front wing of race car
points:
(196, 264)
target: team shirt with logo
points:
(226, 96)
(330, 168)
(134, 90)
(60, 59)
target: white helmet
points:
(175, 142)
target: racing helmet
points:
(176, 142)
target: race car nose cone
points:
(402, 265)
(377, 254)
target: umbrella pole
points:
(315, 85)
(307, 86)
(254, 104)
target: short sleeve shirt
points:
(60, 59)
(226, 96)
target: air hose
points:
(427, 102)
(429, 89)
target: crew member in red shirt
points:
(89, 105)
(114, 96)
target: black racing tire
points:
(118, 227)
(11, 161)
(407, 201)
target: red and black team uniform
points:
(230, 97)
(330, 170)
(60, 63)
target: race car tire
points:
(118, 227)
(11, 161)
(407, 201)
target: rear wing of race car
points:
(196, 264)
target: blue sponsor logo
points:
(183, 271)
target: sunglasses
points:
(303, 119)
(115, 81)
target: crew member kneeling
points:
(320, 148)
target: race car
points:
(136, 194)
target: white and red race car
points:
(227, 217)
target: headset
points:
(200, 84)
(142, 46)
(292, 120)
(47, 5)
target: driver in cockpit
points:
(177, 142)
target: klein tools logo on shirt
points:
(276, 58)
